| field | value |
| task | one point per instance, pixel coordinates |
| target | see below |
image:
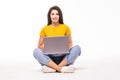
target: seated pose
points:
(56, 62)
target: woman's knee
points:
(36, 52)
(41, 58)
(77, 49)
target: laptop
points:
(56, 45)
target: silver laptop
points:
(56, 45)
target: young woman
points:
(56, 62)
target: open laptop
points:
(56, 45)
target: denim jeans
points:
(43, 59)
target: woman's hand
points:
(70, 42)
(40, 43)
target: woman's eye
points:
(52, 14)
(57, 14)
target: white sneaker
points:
(68, 69)
(47, 69)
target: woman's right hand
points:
(40, 43)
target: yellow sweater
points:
(60, 30)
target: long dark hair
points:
(59, 12)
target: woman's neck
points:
(55, 24)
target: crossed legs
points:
(69, 59)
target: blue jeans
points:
(43, 59)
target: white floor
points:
(103, 68)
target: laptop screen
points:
(56, 45)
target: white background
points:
(94, 25)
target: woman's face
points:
(54, 15)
